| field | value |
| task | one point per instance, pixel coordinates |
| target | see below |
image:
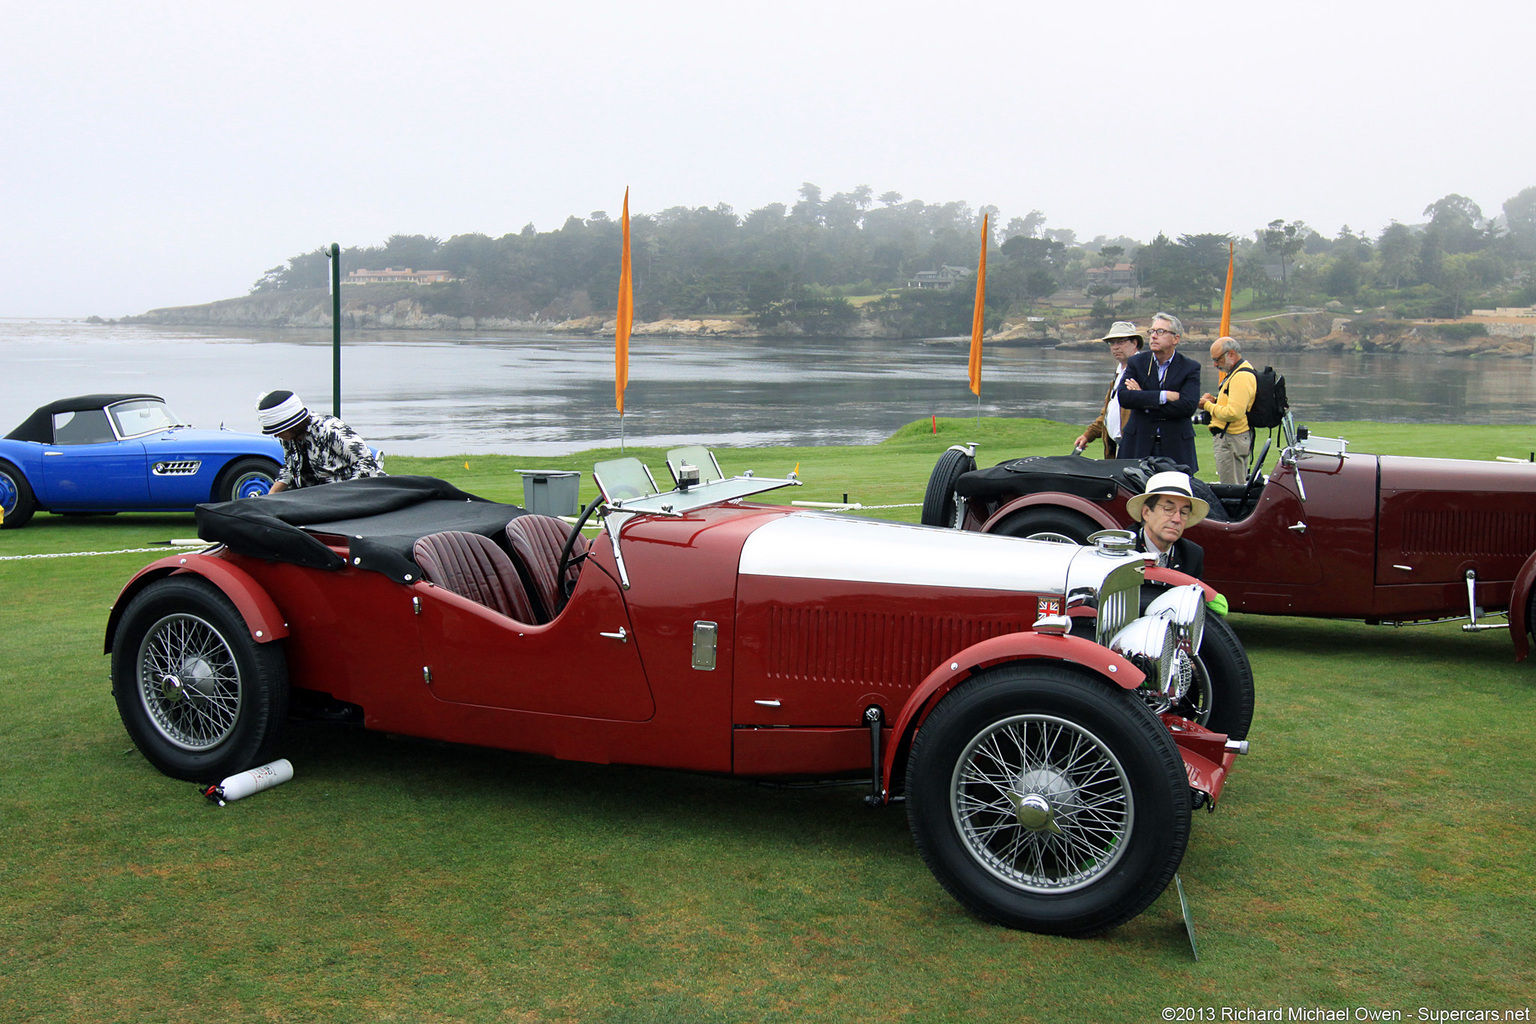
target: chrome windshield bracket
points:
(614, 521)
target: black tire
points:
(939, 501)
(245, 478)
(200, 698)
(1530, 616)
(16, 498)
(1225, 663)
(1022, 748)
(1045, 522)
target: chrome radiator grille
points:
(1119, 602)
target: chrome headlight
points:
(1152, 644)
(1148, 643)
(1185, 608)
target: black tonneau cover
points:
(381, 517)
(1093, 479)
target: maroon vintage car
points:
(1011, 692)
(1329, 533)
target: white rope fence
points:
(849, 506)
(163, 549)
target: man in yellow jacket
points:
(1233, 437)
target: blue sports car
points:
(125, 453)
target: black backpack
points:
(1269, 402)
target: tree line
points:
(804, 264)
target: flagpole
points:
(979, 317)
(623, 322)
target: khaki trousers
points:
(1232, 451)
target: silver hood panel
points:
(825, 546)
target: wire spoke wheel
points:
(198, 695)
(1044, 798)
(1043, 803)
(189, 682)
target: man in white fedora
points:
(1165, 510)
(1124, 341)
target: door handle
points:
(1298, 527)
(622, 636)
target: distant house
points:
(1121, 275)
(941, 278)
(389, 275)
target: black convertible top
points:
(382, 518)
(39, 426)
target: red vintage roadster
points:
(1328, 533)
(1011, 692)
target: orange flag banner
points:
(1226, 299)
(626, 319)
(979, 317)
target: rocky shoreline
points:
(1306, 330)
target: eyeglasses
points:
(1154, 332)
(1173, 511)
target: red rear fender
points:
(1053, 499)
(259, 611)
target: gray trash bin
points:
(551, 492)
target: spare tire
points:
(939, 501)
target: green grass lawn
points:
(1375, 850)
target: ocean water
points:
(446, 393)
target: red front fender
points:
(1174, 578)
(1013, 646)
(259, 611)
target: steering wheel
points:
(566, 559)
(1258, 467)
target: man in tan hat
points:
(1165, 510)
(1124, 341)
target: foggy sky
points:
(168, 153)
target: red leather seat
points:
(473, 566)
(537, 541)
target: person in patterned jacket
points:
(316, 449)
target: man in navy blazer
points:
(1161, 388)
